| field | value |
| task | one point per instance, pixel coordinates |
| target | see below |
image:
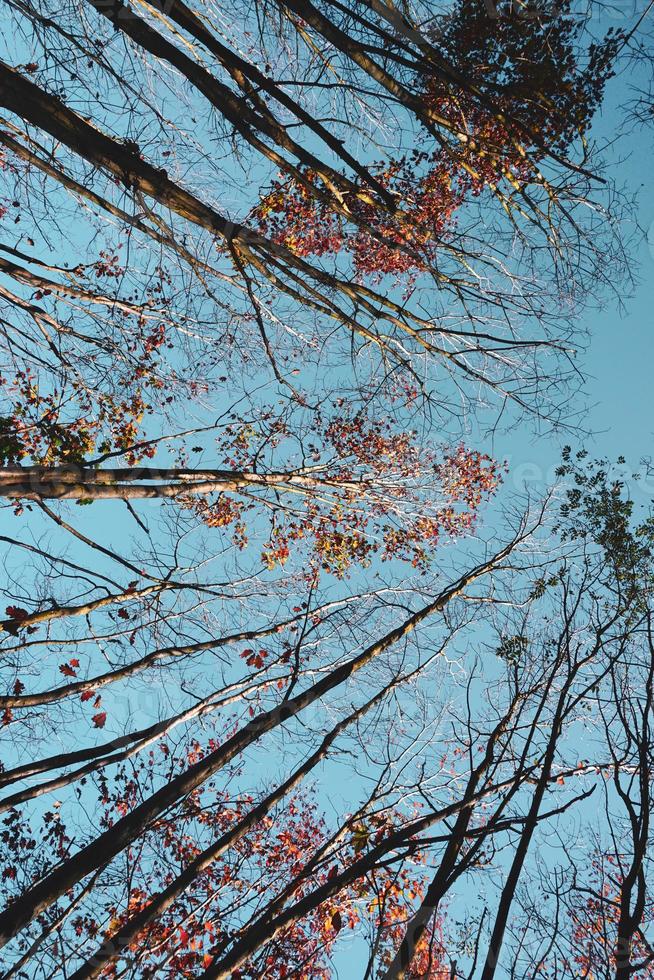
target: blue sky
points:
(618, 361)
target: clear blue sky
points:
(618, 361)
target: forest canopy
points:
(298, 681)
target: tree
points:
(191, 931)
(114, 841)
(601, 914)
(398, 211)
(368, 488)
(521, 97)
(468, 812)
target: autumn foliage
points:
(370, 490)
(526, 97)
(276, 856)
(593, 922)
(261, 273)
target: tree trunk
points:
(77, 482)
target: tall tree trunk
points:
(73, 482)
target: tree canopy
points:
(296, 683)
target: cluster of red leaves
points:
(255, 658)
(108, 266)
(223, 512)
(382, 499)
(373, 491)
(526, 95)
(378, 242)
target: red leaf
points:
(74, 662)
(19, 687)
(99, 719)
(67, 671)
(87, 695)
(17, 613)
